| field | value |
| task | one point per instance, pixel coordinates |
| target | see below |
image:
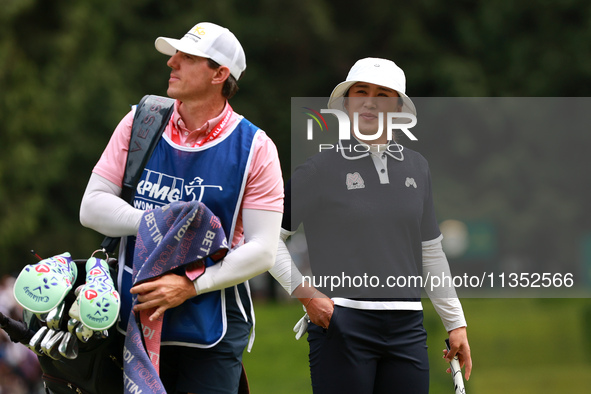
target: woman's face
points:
(369, 100)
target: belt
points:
(379, 305)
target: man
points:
(211, 154)
(367, 210)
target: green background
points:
(70, 70)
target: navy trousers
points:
(214, 370)
(369, 352)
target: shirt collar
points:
(180, 127)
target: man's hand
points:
(458, 343)
(165, 292)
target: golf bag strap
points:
(150, 120)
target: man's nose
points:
(173, 61)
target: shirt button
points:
(382, 170)
(383, 155)
(186, 133)
(188, 144)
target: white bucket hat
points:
(210, 41)
(379, 72)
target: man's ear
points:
(221, 74)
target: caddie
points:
(207, 153)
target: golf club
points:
(68, 347)
(54, 317)
(83, 333)
(35, 342)
(46, 339)
(53, 345)
(72, 325)
(42, 317)
(456, 372)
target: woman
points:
(367, 210)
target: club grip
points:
(456, 372)
(16, 330)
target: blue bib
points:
(215, 175)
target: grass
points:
(518, 346)
(278, 363)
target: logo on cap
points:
(198, 30)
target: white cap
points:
(381, 72)
(210, 41)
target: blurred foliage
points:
(70, 70)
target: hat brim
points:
(336, 97)
(170, 46)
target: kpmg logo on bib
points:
(157, 189)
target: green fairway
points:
(518, 346)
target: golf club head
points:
(46, 340)
(68, 347)
(83, 333)
(35, 342)
(72, 325)
(54, 317)
(42, 317)
(53, 345)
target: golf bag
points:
(94, 362)
(93, 367)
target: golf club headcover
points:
(41, 287)
(99, 302)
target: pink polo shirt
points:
(264, 184)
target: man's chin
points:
(171, 93)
